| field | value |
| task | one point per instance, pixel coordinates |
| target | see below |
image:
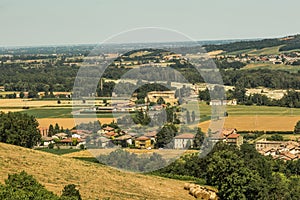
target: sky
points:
(57, 22)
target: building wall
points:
(182, 143)
(143, 144)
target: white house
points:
(183, 141)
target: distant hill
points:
(288, 43)
(94, 180)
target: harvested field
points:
(70, 122)
(94, 181)
(259, 122)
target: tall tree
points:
(188, 117)
(199, 138)
(19, 129)
(297, 128)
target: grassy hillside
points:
(94, 181)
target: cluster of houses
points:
(75, 138)
(109, 137)
(284, 58)
(285, 150)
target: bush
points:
(51, 146)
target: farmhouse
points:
(183, 141)
(235, 139)
(229, 136)
(143, 142)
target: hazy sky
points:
(39, 22)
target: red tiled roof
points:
(142, 138)
(233, 136)
(185, 136)
(108, 128)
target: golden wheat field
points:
(93, 180)
(266, 123)
(70, 122)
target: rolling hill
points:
(93, 180)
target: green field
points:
(56, 112)
(264, 51)
(242, 110)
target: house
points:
(124, 140)
(227, 135)
(102, 142)
(263, 144)
(61, 135)
(143, 142)
(168, 96)
(183, 141)
(151, 135)
(43, 131)
(47, 140)
(232, 102)
(234, 139)
(288, 156)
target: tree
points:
(166, 135)
(51, 131)
(22, 95)
(71, 191)
(232, 178)
(199, 138)
(193, 116)
(19, 129)
(160, 101)
(23, 186)
(297, 128)
(56, 128)
(188, 117)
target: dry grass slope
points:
(94, 181)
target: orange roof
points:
(227, 131)
(185, 136)
(142, 138)
(289, 155)
(111, 133)
(108, 128)
(233, 136)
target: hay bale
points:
(213, 196)
(198, 194)
(187, 186)
(205, 195)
